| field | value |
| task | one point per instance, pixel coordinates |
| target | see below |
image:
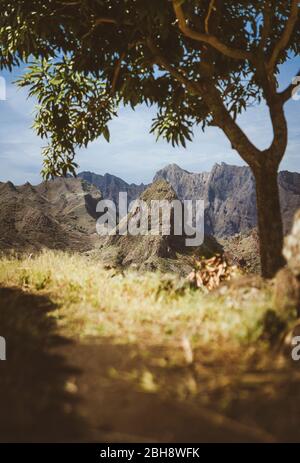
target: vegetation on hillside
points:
(216, 354)
(151, 307)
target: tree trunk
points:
(264, 165)
(269, 220)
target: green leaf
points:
(106, 134)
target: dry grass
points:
(139, 308)
(169, 340)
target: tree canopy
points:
(199, 62)
(89, 56)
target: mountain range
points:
(110, 186)
(61, 213)
(228, 192)
(58, 214)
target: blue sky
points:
(133, 153)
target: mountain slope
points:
(56, 214)
(62, 213)
(110, 186)
(229, 195)
(165, 250)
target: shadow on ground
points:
(34, 402)
(53, 389)
(121, 402)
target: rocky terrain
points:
(228, 191)
(58, 214)
(166, 252)
(110, 186)
(229, 195)
(61, 214)
(243, 250)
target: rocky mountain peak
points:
(159, 190)
(7, 186)
(111, 186)
(229, 195)
(59, 214)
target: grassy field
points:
(150, 333)
(149, 308)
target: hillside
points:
(58, 214)
(165, 252)
(97, 355)
(228, 191)
(229, 195)
(110, 186)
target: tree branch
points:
(99, 21)
(280, 131)
(71, 3)
(267, 23)
(239, 140)
(275, 104)
(286, 94)
(206, 90)
(285, 38)
(162, 61)
(209, 13)
(117, 73)
(104, 20)
(207, 38)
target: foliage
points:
(73, 110)
(133, 52)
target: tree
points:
(199, 61)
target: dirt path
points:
(60, 390)
(116, 410)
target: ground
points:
(95, 354)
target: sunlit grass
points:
(131, 307)
(213, 350)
